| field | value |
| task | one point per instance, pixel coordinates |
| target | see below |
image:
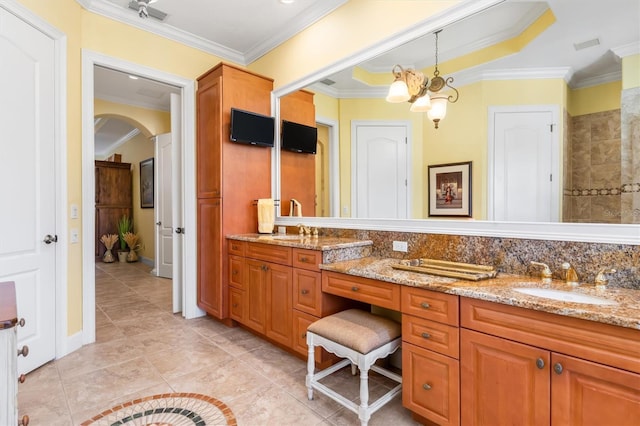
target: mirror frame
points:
(578, 232)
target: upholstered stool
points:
(361, 338)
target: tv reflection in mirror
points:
(252, 128)
(298, 137)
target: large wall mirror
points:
(556, 63)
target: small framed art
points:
(450, 189)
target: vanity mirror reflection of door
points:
(298, 170)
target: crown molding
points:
(115, 145)
(129, 17)
(632, 48)
(594, 81)
(301, 22)
(126, 101)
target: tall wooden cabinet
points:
(113, 198)
(229, 176)
(297, 170)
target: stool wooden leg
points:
(363, 411)
(310, 369)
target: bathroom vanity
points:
(473, 352)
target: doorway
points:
(187, 114)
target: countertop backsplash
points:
(509, 255)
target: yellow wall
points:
(326, 106)
(340, 35)
(588, 100)
(631, 72)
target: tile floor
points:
(143, 349)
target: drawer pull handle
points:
(24, 421)
(557, 367)
(304, 291)
(304, 335)
(425, 305)
(426, 386)
(24, 351)
(264, 268)
(354, 288)
(234, 272)
(22, 322)
(234, 247)
(235, 305)
(22, 378)
(304, 259)
(426, 335)
(540, 363)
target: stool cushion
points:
(356, 329)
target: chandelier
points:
(430, 97)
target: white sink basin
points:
(565, 296)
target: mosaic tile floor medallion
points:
(170, 409)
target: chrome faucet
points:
(546, 272)
(601, 277)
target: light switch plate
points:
(74, 236)
(74, 211)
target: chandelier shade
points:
(427, 96)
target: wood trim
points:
(603, 343)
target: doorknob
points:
(48, 239)
(179, 230)
(158, 223)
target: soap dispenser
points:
(570, 274)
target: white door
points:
(380, 172)
(164, 218)
(27, 183)
(177, 204)
(523, 167)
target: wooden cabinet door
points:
(236, 272)
(236, 304)
(503, 382)
(113, 184)
(430, 385)
(211, 296)
(307, 291)
(256, 288)
(279, 303)
(586, 393)
(209, 143)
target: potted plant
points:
(124, 226)
(108, 240)
(132, 241)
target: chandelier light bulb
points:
(398, 92)
(422, 104)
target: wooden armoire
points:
(113, 198)
(230, 176)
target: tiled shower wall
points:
(594, 185)
(630, 156)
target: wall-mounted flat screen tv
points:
(298, 137)
(251, 128)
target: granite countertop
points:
(293, 240)
(625, 313)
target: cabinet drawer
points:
(603, 343)
(307, 259)
(307, 291)
(236, 272)
(269, 253)
(442, 338)
(431, 305)
(236, 247)
(301, 321)
(430, 385)
(379, 293)
(236, 305)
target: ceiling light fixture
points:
(414, 87)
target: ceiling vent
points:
(328, 82)
(148, 10)
(585, 44)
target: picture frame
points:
(449, 187)
(146, 184)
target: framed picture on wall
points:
(450, 189)
(146, 184)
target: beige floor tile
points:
(91, 390)
(391, 414)
(238, 341)
(200, 355)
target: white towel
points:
(266, 215)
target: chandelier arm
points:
(451, 98)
